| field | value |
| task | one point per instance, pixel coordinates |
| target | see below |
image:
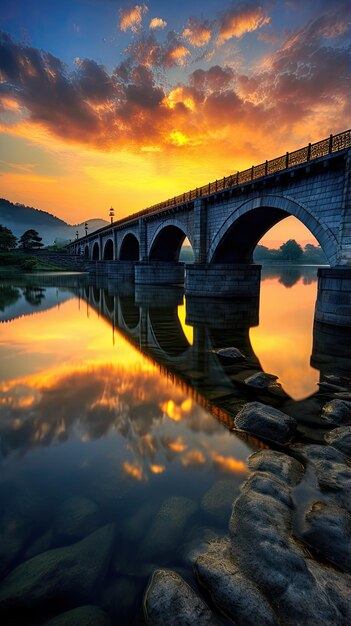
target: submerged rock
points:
(230, 354)
(340, 438)
(76, 518)
(119, 597)
(265, 421)
(280, 465)
(261, 380)
(328, 530)
(332, 470)
(41, 544)
(337, 412)
(235, 595)
(133, 528)
(217, 502)
(63, 576)
(15, 532)
(168, 526)
(169, 600)
(88, 615)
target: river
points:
(116, 409)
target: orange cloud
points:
(197, 33)
(157, 22)
(131, 17)
(237, 21)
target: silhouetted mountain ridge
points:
(19, 218)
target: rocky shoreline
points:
(279, 564)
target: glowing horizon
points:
(137, 103)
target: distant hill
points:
(19, 218)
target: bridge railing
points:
(333, 143)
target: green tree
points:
(8, 240)
(30, 240)
(291, 251)
(314, 254)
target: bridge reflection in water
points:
(148, 318)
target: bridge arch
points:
(108, 250)
(238, 236)
(130, 248)
(168, 240)
(96, 252)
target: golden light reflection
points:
(283, 340)
(229, 464)
(176, 445)
(193, 458)
(157, 469)
(134, 470)
(177, 412)
(187, 329)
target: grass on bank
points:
(20, 262)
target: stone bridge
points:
(225, 220)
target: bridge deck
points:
(311, 152)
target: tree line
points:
(30, 240)
(291, 251)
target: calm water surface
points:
(114, 405)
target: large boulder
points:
(169, 600)
(328, 530)
(299, 590)
(65, 577)
(235, 595)
(280, 465)
(340, 438)
(337, 412)
(265, 421)
(88, 615)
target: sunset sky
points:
(106, 103)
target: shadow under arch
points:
(108, 250)
(96, 294)
(109, 302)
(86, 251)
(168, 331)
(130, 248)
(167, 242)
(130, 312)
(96, 251)
(237, 238)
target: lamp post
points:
(86, 229)
(112, 214)
(77, 234)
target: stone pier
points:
(159, 273)
(333, 304)
(222, 280)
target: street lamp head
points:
(86, 228)
(112, 214)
